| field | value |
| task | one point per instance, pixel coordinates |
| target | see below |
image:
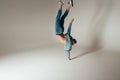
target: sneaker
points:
(61, 1)
(71, 2)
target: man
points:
(67, 39)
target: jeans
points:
(59, 24)
(68, 54)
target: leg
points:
(65, 15)
(66, 12)
(58, 27)
(60, 4)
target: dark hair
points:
(74, 41)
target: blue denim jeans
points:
(59, 24)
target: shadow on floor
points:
(85, 53)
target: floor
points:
(51, 64)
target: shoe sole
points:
(72, 3)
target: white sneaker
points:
(61, 1)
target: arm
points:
(68, 54)
(69, 27)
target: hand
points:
(72, 20)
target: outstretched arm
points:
(69, 27)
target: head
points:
(74, 41)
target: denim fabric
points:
(68, 44)
(68, 54)
(59, 24)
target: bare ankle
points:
(60, 5)
(69, 6)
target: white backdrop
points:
(29, 49)
(29, 24)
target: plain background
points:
(29, 49)
(28, 24)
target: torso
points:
(61, 38)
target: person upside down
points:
(66, 39)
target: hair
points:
(74, 41)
